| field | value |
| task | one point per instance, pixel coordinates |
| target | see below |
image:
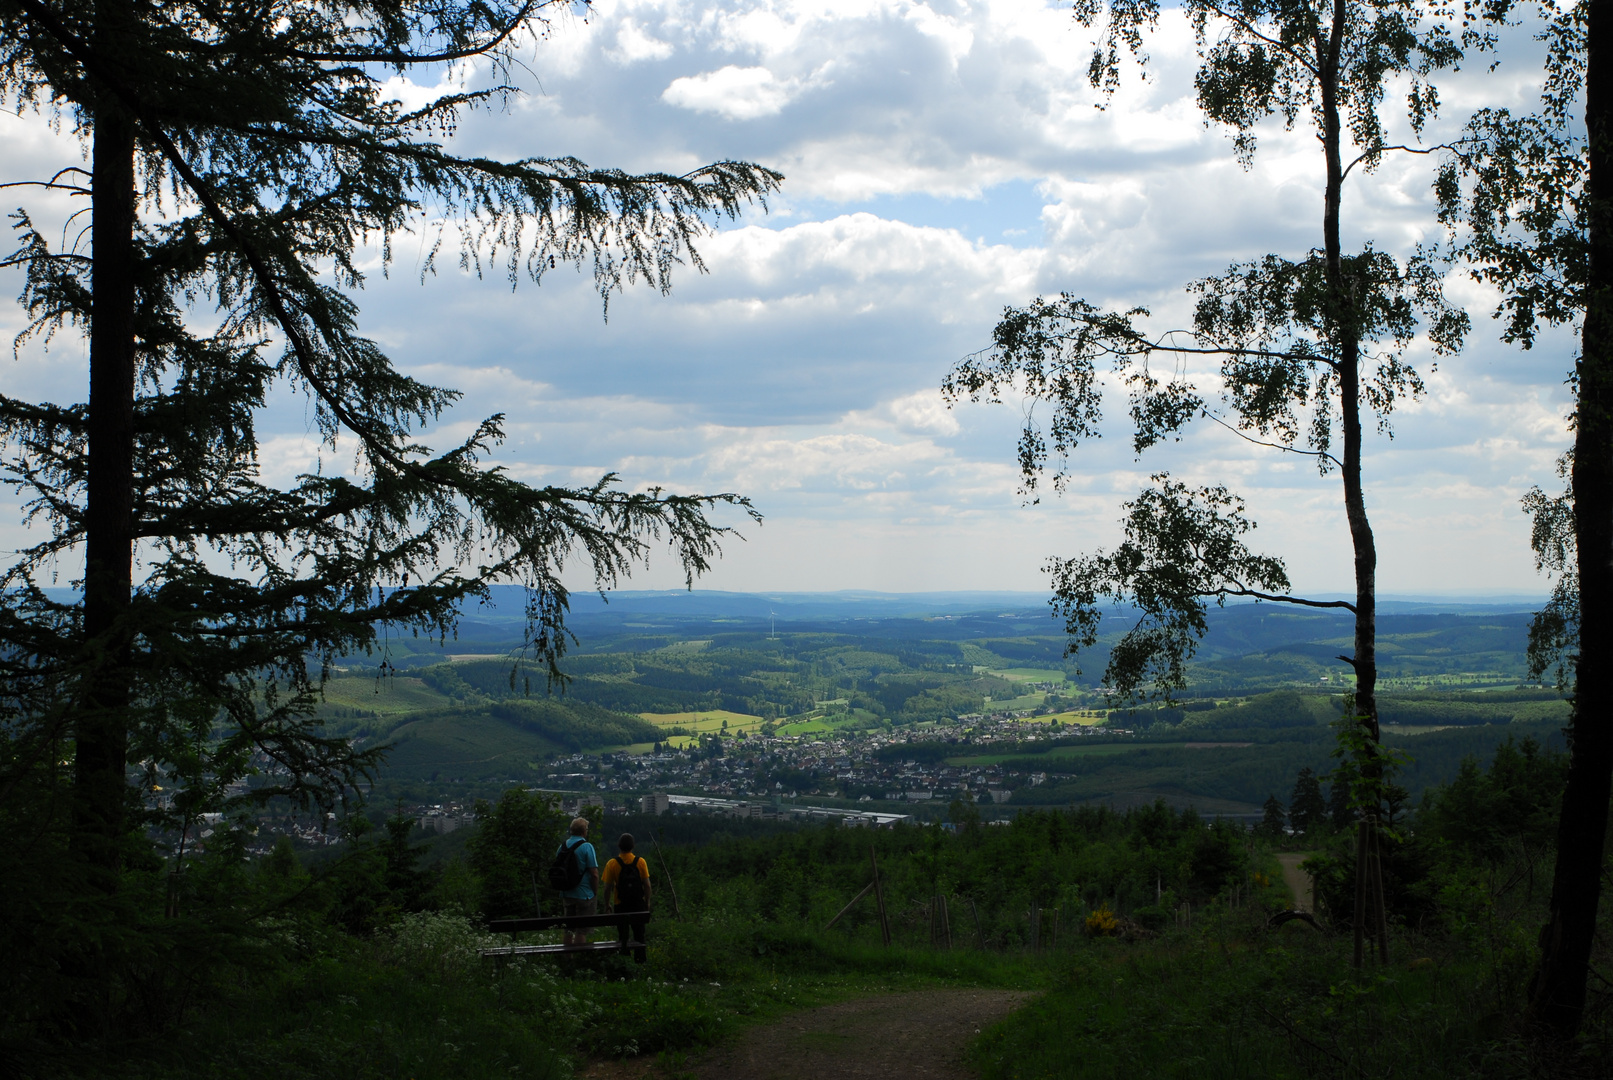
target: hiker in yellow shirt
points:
(626, 878)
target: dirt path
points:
(919, 1034)
(1297, 880)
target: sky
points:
(943, 160)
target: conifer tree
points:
(1274, 822)
(242, 156)
(1307, 810)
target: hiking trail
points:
(920, 1033)
(1297, 880)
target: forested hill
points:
(679, 670)
(1249, 646)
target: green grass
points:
(1025, 701)
(1084, 717)
(386, 697)
(1453, 681)
(1027, 674)
(1223, 999)
(1232, 1000)
(804, 727)
(702, 722)
(1060, 753)
(706, 721)
(418, 1003)
(634, 749)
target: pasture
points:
(703, 722)
(391, 696)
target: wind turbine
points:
(772, 624)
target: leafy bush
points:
(514, 842)
(443, 946)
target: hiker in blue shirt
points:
(580, 900)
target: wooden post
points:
(866, 890)
(1381, 903)
(879, 895)
(946, 921)
(1036, 927)
(667, 870)
(979, 933)
(1360, 888)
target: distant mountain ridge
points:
(507, 602)
(854, 603)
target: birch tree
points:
(1310, 350)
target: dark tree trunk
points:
(1369, 916)
(101, 728)
(1558, 994)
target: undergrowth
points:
(1234, 999)
(420, 1002)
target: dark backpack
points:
(565, 871)
(629, 886)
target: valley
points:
(916, 709)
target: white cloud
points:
(924, 411)
(734, 93)
(633, 44)
(943, 160)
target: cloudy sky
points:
(943, 160)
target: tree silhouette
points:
(1307, 810)
(244, 159)
(1274, 824)
(1529, 198)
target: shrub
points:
(447, 946)
(1102, 923)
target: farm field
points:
(635, 749)
(818, 725)
(703, 722)
(1060, 753)
(1080, 717)
(1083, 717)
(1026, 674)
(391, 696)
(1467, 680)
(1015, 704)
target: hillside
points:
(798, 710)
(439, 736)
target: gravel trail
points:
(1297, 880)
(920, 1034)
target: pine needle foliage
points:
(246, 159)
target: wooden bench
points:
(567, 922)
